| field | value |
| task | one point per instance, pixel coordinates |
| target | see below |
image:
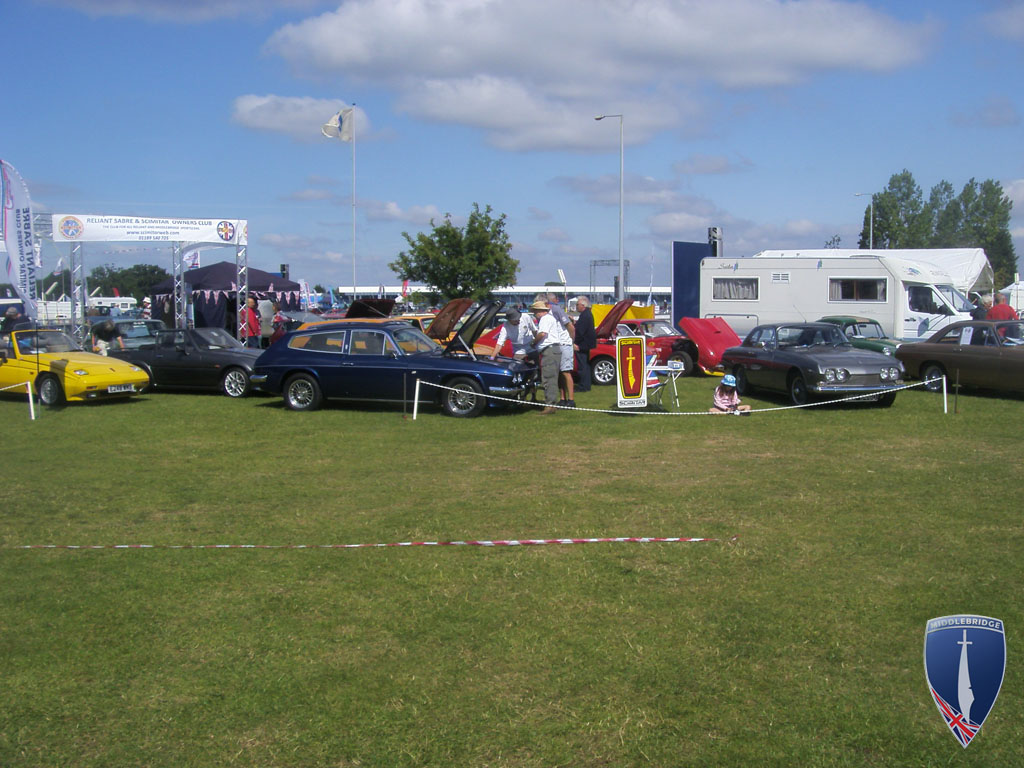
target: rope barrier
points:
(643, 412)
(457, 543)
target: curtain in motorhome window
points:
(852, 289)
(742, 288)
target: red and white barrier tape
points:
(472, 543)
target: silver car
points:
(809, 360)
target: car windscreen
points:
(661, 329)
(216, 338)
(808, 336)
(139, 330)
(953, 296)
(31, 342)
(412, 341)
(1012, 333)
(865, 331)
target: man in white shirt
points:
(519, 330)
(549, 343)
(565, 382)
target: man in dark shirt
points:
(104, 334)
(584, 341)
(14, 321)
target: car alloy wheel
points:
(798, 393)
(933, 373)
(603, 371)
(464, 399)
(235, 383)
(302, 393)
(51, 393)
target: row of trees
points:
(978, 217)
(136, 280)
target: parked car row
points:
(381, 358)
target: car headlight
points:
(80, 372)
(136, 369)
(889, 374)
(833, 375)
(830, 375)
(842, 374)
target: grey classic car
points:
(808, 360)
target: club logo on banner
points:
(629, 363)
(964, 662)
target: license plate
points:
(121, 388)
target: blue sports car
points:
(380, 360)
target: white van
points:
(910, 300)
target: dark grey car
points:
(808, 360)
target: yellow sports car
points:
(59, 370)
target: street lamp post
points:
(621, 293)
(871, 219)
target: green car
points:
(863, 333)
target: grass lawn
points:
(799, 644)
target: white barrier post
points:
(416, 400)
(945, 401)
(31, 404)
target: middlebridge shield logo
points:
(964, 661)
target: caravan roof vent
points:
(780, 277)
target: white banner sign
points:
(89, 228)
(16, 252)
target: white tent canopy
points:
(1016, 293)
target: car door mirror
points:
(181, 348)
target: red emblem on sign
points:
(631, 366)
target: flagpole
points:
(353, 201)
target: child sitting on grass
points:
(726, 399)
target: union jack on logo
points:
(964, 662)
(226, 231)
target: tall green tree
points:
(978, 217)
(136, 280)
(460, 262)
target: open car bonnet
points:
(475, 325)
(370, 308)
(447, 317)
(608, 323)
(712, 335)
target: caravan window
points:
(856, 289)
(734, 289)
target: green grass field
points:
(799, 644)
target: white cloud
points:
(554, 234)
(1014, 190)
(996, 112)
(418, 215)
(700, 164)
(185, 11)
(530, 73)
(298, 117)
(1008, 21)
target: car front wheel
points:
(602, 370)
(51, 393)
(742, 383)
(235, 383)
(932, 374)
(685, 359)
(464, 400)
(798, 393)
(302, 393)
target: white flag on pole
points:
(340, 126)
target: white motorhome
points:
(909, 299)
(113, 304)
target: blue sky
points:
(761, 117)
